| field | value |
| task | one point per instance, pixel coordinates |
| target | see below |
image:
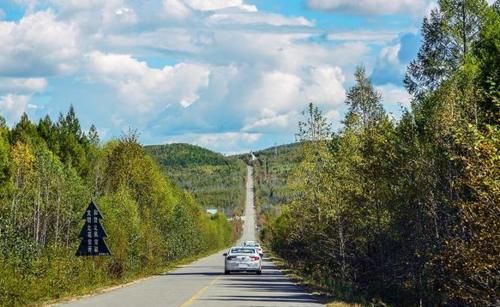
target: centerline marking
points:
(199, 293)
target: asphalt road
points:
(203, 282)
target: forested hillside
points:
(184, 155)
(272, 173)
(407, 212)
(49, 171)
(214, 180)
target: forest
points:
(214, 180)
(49, 172)
(273, 171)
(406, 212)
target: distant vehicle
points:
(242, 259)
(256, 245)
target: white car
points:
(242, 259)
(256, 245)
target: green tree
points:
(25, 131)
(471, 257)
(315, 127)
(486, 51)
(4, 154)
(448, 36)
(48, 131)
(363, 100)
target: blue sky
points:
(230, 75)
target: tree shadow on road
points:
(299, 298)
(192, 274)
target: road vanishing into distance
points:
(203, 283)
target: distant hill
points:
(214, 180)
(217, 181)
(184, 155)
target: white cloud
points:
(146, 89)
(38, 45)
(274, 103)
(96, 19)
(284, 92)
(259, 18)
(395, 95)
(277, 91)
(176, 9)
(222, 142)
(22, 85)
(212, 5)
(325, 86)
(13, 106)
(388, 68)
(269, 123)
(171, 67)
(364, 35)
(377, 7)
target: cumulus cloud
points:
(260, 18)
(212, 5)
(391, 63)
(283, 92)
(325, 86)
(22, 85)
(375, 7)
(363, 35)
(394, 95)
(228, 142)
(277, 98)
(221, 73)
(38, 45)
(176, 9)
(13, 106)
(145, 89)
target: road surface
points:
(203, 282)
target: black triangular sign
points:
(92, 234)
(92, 228)
(92, 211)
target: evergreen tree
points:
(48, 131)
(25, 131)
(93, 136)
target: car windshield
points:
(242, 251)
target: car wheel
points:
(226, 272)
(259, 272)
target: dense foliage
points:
(408, 212)
(214, 180)
(49, 172)
(272, 171)
(182, 155)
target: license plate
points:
(242, 266)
